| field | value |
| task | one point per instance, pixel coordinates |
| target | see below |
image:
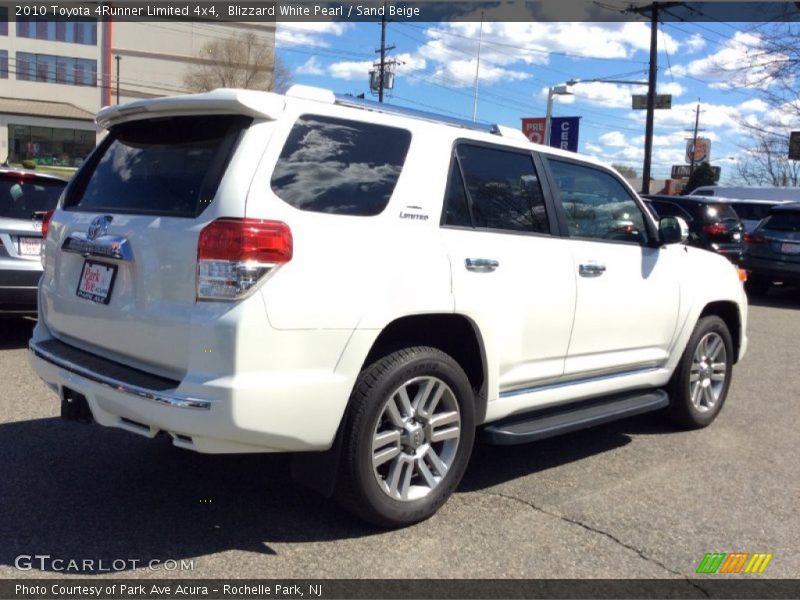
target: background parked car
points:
(751, 211)
(772, 250)
(713, 224)
(25, 197)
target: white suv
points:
(367, 287)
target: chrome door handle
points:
(481, 265)
(591, 270)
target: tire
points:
(699, 386)
(756, 286)
(409, 431)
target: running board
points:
(545, 423)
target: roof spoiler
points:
(263, 105)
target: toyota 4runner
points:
(367, 287)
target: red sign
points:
(533, 128)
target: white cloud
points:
(350, 69)
(739, 63)
(310, 67)
(355, 70)
(614, 139)
(307, 33)
(695, 43)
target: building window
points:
(3, 64)
(49, 146)
(74, 31)
(56, 69)
(3, 20)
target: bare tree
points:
(239, 61)
(766, 158)
(625, 171)
(773, 66)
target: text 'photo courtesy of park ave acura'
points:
(408, 300)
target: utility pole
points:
(383, 63)
(383, 55)
(477, 73)
(653, 9)
(694, 139)
(651, 99)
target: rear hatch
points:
(722, 227)
(777, 238)
(121, 256)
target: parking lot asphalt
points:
(633, 499)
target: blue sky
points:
(520, 61)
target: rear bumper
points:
(18, 288)
(772, 269)
(271, 412)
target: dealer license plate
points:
(30, 246)
(96, 282)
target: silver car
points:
(25, 198)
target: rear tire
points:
(408, 436)
(699, 386)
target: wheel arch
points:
(453, 334)
(728, 311)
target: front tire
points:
(409, 432)
(699, 386)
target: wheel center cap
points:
(415, 436)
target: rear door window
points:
(23, 197)
(500, 190)
(166, 167)
(340, 166)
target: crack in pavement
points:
(610, 536)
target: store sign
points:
(699, 152)
(563, 131)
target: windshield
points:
(23, 197)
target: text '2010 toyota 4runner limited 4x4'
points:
(368, 288)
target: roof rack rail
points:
(349, 100)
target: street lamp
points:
(556, 90)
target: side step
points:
(545, 423)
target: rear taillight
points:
(715, 229)
(46, 222)
(754, 239)
(45, 230)
(233, 255)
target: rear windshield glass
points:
(26, 197)
(721, 212)
(752, 212)
(340, 167)
(159, 166)
(783, 222)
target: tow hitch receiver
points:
(74, 407)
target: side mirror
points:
(672, 230)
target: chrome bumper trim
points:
(173, 400)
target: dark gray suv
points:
(772, 249)
(25, 197)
